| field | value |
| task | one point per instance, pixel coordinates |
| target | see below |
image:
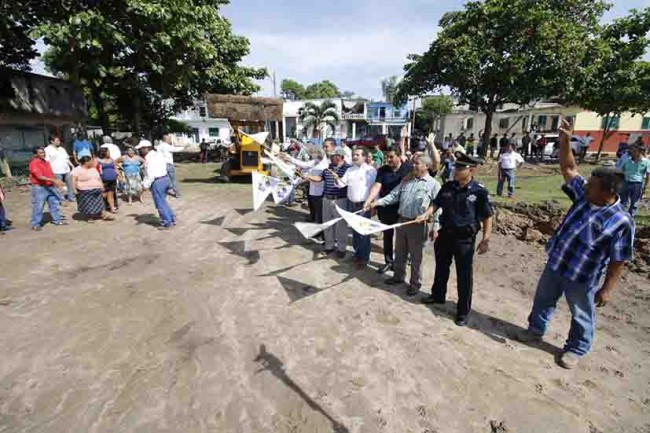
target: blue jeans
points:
(507, 174)
(67, 178)
(159, 189)
(3, 217)
(40, 196)
(171, 172)
(581, 299)
(360, 243)
(631, 193)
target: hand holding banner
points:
(366, 226)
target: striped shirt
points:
(331, 188)
(414, 196)
(590, 237)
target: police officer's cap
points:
(463, 160)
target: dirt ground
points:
(230, 323)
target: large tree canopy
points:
(498, 51)
(132, 56)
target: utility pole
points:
(275, 90)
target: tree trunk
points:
(487, 131)
(101, 111)
(606, 132)
(137, 114)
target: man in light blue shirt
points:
(637, 174)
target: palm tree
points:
(317, 119)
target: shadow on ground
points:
(275, 366)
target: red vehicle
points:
(369, 142)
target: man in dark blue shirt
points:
(388, 177)
(465, 206)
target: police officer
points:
(465, 205)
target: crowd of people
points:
(94, 177)
(586, 255)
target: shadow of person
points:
(271, 363)
(147, 218)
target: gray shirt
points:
(414, 197)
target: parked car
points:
(369, 142)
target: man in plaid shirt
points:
(595, 239)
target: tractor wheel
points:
(226, 167)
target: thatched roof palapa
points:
(244, 108)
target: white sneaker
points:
(569, 360)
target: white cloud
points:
(354, 60)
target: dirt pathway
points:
(229, 323)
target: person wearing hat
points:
(465, 206)
(335, 236)
(157, 180)
(637, 175)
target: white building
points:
(358, 118)
(203, 127)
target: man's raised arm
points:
(568, 164)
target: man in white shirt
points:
(167, 150)
(509, 162)
(313, 167)
(157, 180)
(60, 162)
(359, 179)
(113, 151)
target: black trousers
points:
(315, 204)
(389, 218)
(450, 247)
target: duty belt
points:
(460, 232)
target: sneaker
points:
(340, 254)
(387, 267)
(527, 336)
(412, 290)
(393, 280)
(460, 321)
(37, 228)
(60, 223)
(327, 252)
(569, 360)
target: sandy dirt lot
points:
(231, 323)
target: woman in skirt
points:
(131, 165)
(89, 188)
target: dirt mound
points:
(536, 223)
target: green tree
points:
(322, 90)
(148, 58)
(316, 119)
(613, 79)
(433, 108)
(505, 51)
(291, 90)
(389, 88)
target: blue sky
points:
(354, 43)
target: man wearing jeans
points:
(636, 169)
(44, 185)
(157, 180)
(359, 179)
(60, 162)
(595, 238)
(166, 149)
(509, 162)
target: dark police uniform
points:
(463, 209)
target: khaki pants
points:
(337, 235)
(410, 239)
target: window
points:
(612, 121)
(203, 112)
(646, 123)
(213, 132)
(541, 121)
(504, 123)
(470, 123)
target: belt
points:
(332, 197)
(401, 218)
(640, 183)
(161, 177)
(461, 232)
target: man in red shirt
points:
(44, 185)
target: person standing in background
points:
(637, 175)
(203, 147)
(525, 144)
(157, 179)
(81, 147)
(59, 160)
(114, 151)
(377, 157)
(43, 189)
(132, 165)
(509, 162)
(494, 144)
(471, 144)
(166, 149)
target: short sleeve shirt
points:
(389, 178)
(636, 171)
(87, 178)
(463, 206)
